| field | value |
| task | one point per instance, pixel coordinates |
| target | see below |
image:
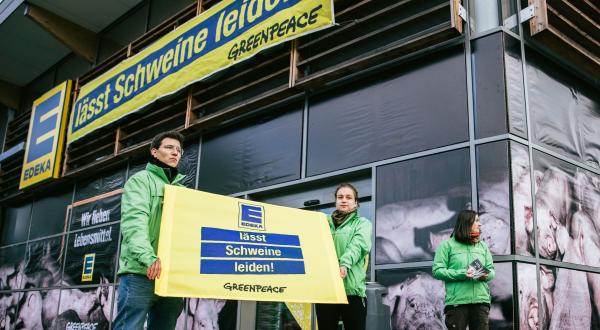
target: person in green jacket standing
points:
(467, 293)
(139, 266)
(352, 239)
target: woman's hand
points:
(343, 272)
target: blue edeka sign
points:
(43, 153)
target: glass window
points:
(422, 107)
(521, 199)
(488, 81)
(417, 202)
(124, 32)
(101, 184)
(262, 153)
(493, 185)
(15, 224)
(515, 89)
(72, 68)
(565, 110)
(50, 213)
(161, 10)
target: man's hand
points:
(469, 274)
(153, 271)
(343, 272)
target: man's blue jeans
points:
(136, 299)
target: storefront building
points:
(426, 114)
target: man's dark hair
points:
(463, 225)
(157, 140)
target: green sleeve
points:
(359, 245)
(489, 264)
(441, 270)
(135, 216)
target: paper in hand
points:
(477, 269)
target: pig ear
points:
(219, 304)
(538, 176)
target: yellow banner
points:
(227, 33)
(43, 153)
(213, 246)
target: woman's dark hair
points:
(346, 185)
(157, 139)
(463, 225)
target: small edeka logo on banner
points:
(252, 217)
(88, 267)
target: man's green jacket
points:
(141, 211)
(352, 240)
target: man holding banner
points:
(139, 265)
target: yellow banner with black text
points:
(213, 246)
(227, 33)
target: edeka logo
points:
(88, 267)
(45, 139)
(252, 217)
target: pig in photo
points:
(527, 297)
(521, 199)
(416, 303)
(211, 314)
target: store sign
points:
(227, 33)
(43, 153)
(208, 250)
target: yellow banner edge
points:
(72, 137)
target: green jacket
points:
(450, 265)
(352, 240)
(141, 211)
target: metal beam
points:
(80, 40)
(10, 95)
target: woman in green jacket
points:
(467, 292)
(352, 239)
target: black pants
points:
(353, 315)
(476, 316)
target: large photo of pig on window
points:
(568, 230)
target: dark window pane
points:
(124, 32)
(72, 68)
(102, 184)
(161, 10)
(565, 110)
(488, 79)
(49, 214)
(494, 202)
(263, 153)
(417, 201)
(420, 108)
(15, 224)
(189, 163)
(515, 90)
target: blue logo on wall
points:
(252, 217)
